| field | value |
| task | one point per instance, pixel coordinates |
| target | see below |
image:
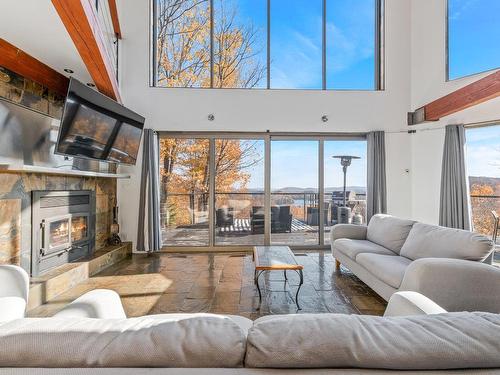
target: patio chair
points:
(257, 219)
(284, 219)
(224, 217)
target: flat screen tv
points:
(96, 127)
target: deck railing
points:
(192, 208)
(482, 218)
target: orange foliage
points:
(185, 174)
(482, 219)
(183, 46)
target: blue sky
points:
(483, 151)
(474, 35)
(295, 164)
(296, 42)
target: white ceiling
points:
(35, 27)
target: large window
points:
(483, 165)
(221, 190)
(473, 35)
(277, 44)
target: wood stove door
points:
(56, 235)
(65, 235)
(80, 236)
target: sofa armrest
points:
(98, 303)
(455, 284)
(352, 231)
(411, 303)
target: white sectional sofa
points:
(415, 335)
(392, 254)
(92, 335)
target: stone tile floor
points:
(223, 283)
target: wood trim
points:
(80, 20)
(27, 66)
(468, 96)
(113, 10)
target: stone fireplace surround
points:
(15, 210)
(16, 188)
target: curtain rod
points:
(471, 125)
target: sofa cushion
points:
(190, 340)
(443, 341)
(432, 241)
(98, 303)
(244, 323)
(388, 268)
(352, 248)
(389, 231)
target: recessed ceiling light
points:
(90, 84)
(69, 71)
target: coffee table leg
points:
(256, 280)
(301, 274)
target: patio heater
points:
(344, 212)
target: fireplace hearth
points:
(63, 225)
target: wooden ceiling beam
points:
(81, 22)
(18, 61)
(113, 10)
(468, 96)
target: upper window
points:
(473, 34)
(292, 44)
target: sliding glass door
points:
(294, 192)
(240, 190)
(184, 187)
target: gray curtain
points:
(376, 200)
(149, 231)
(454, 207)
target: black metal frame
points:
(257, 274)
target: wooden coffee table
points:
(276, 258)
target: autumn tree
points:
(185, 171)
(189, 55)
(481, 208)
(184, 46)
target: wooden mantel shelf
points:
(68, 172)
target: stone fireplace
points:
(28, 142)
(63, 225)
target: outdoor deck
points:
(240, 234)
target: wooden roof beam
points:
(468, 96)
(81, 22)
(18, 61)
(113, 10)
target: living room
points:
(193, 184)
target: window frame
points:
(447, 51)
(470, 196)
(267, 137)
(379, 54)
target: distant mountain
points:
(328, 190)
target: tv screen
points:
(95, 126)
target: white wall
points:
(428, 72)
(275, 110)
